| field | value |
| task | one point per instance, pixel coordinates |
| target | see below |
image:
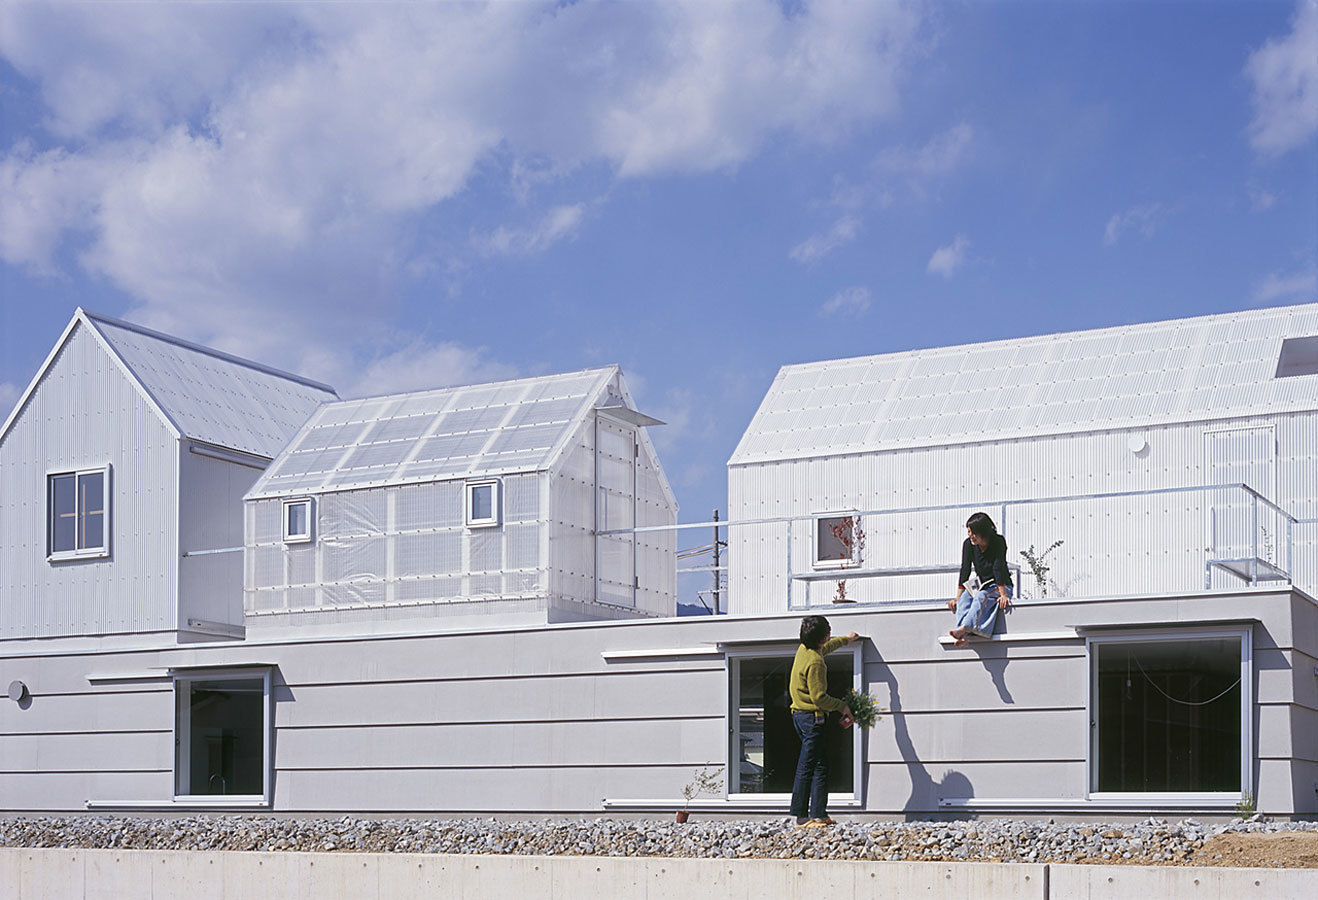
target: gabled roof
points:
(437, 435)
(200, 393)
(1186, 370)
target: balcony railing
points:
(1166, 540)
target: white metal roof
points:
(451, 433)
(1185, 370)
(200, 393)
(211, 396)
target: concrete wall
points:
(87, 413)
(1125, 545)
(163, 875)
(581, 717)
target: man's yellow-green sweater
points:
(809, 682)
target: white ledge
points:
(1045, 803)
(729, 804)
(647, 654)
(1068, 634)
(176, 804)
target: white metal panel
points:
(212, 396)
(86, 413)
(1208, 368)
(1122, 545)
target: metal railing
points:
(1177, 539)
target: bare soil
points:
(1273, 851)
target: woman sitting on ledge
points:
(986, 551)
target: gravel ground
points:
(1153, 841)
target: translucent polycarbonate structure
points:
(1073, 437)
(473, 500)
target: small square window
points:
(78, 509)
(483, 504)
(837, 540)
(297, 520)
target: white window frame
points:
(732, 720)
(310, 504)
(496, 507)
(183, 727)
(1185, 798)
(53, 555)
(844, 563)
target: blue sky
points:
(394, 196)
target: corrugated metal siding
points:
(1123, 545)
(1192, 369)
(214, 398)
(535, 721)
(86, 413)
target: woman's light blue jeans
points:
(978, 611)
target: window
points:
(1169, 715)
(222, 736)
(78, 505)
(297, 520)
(1299, 356)
(765, 747)
(482, 504)
(837, 540)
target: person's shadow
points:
(925, 793)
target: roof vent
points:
(1299, 356)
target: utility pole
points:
(716, 560)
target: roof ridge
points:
(598, 370)
(944, 349)
(203, 349)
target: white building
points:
(1110, 441)
(122, 466)
(470, 505)
(428, 581)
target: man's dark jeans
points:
(811, 785)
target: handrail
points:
(1107, 495)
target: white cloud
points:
(938, 157)
(947, 260)
(240, 167)
(420, 366)
(1301, 285)
(1284, 72)
(1260, 198)
(848, 301)
(844, 231)
(1143, 220)
(559, 223)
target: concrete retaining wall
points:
(38, 874)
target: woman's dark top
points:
(990, 563)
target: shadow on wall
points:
(922, 803)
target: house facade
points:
(461, 602)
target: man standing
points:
(811, 705)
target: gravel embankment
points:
(1151, 841)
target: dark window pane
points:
(834, 533)
(482, 502)
(769, 745)
(225, 743)
(64, 513)
(297, 520)
(1168, 715)
(91, 503)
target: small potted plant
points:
(707, 781)
(865, 711)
